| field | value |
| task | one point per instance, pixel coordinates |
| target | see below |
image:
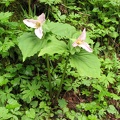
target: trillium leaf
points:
(87, 64)
(53, 46)
(29, 44)
(62, 30)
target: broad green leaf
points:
(29, 44)
(53, 46)
(87, 64)
(62, 30)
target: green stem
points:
(49, 75)
(62, 79)
(29, 8)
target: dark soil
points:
(73, 99)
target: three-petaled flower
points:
(81, 42)
(37, 24)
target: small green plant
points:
(49, 44)
(57, 76)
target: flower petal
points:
(30, 22)
(39, 32)
(85, 46)
(74, 44)
(41, 18)
(83, 35)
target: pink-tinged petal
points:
(30, 22)
(85, 46)
(39, 32)
(74, 44)
(41, 18)
(83, 35)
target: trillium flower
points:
(37, 24)
(81, 42)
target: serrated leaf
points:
(3, 80)
(87, 64)
(12, 104)
(1, 30)
(42, 104)
(30, 113)
(114, 35)
(92, 117)
(24, 117)
(50, 2)
(53, 46)
(62, 30)
(115, 96)
(5, 115)
(29, 44)
(4, 111)
(118, 88)
(111, 109)
(62, 103)
(4, 16)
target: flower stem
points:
(29, 8)
(49, 76)
(62, 79)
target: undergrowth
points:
(58, 85)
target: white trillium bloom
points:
(81, 42)
(37, 24)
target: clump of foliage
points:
(50, 79)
